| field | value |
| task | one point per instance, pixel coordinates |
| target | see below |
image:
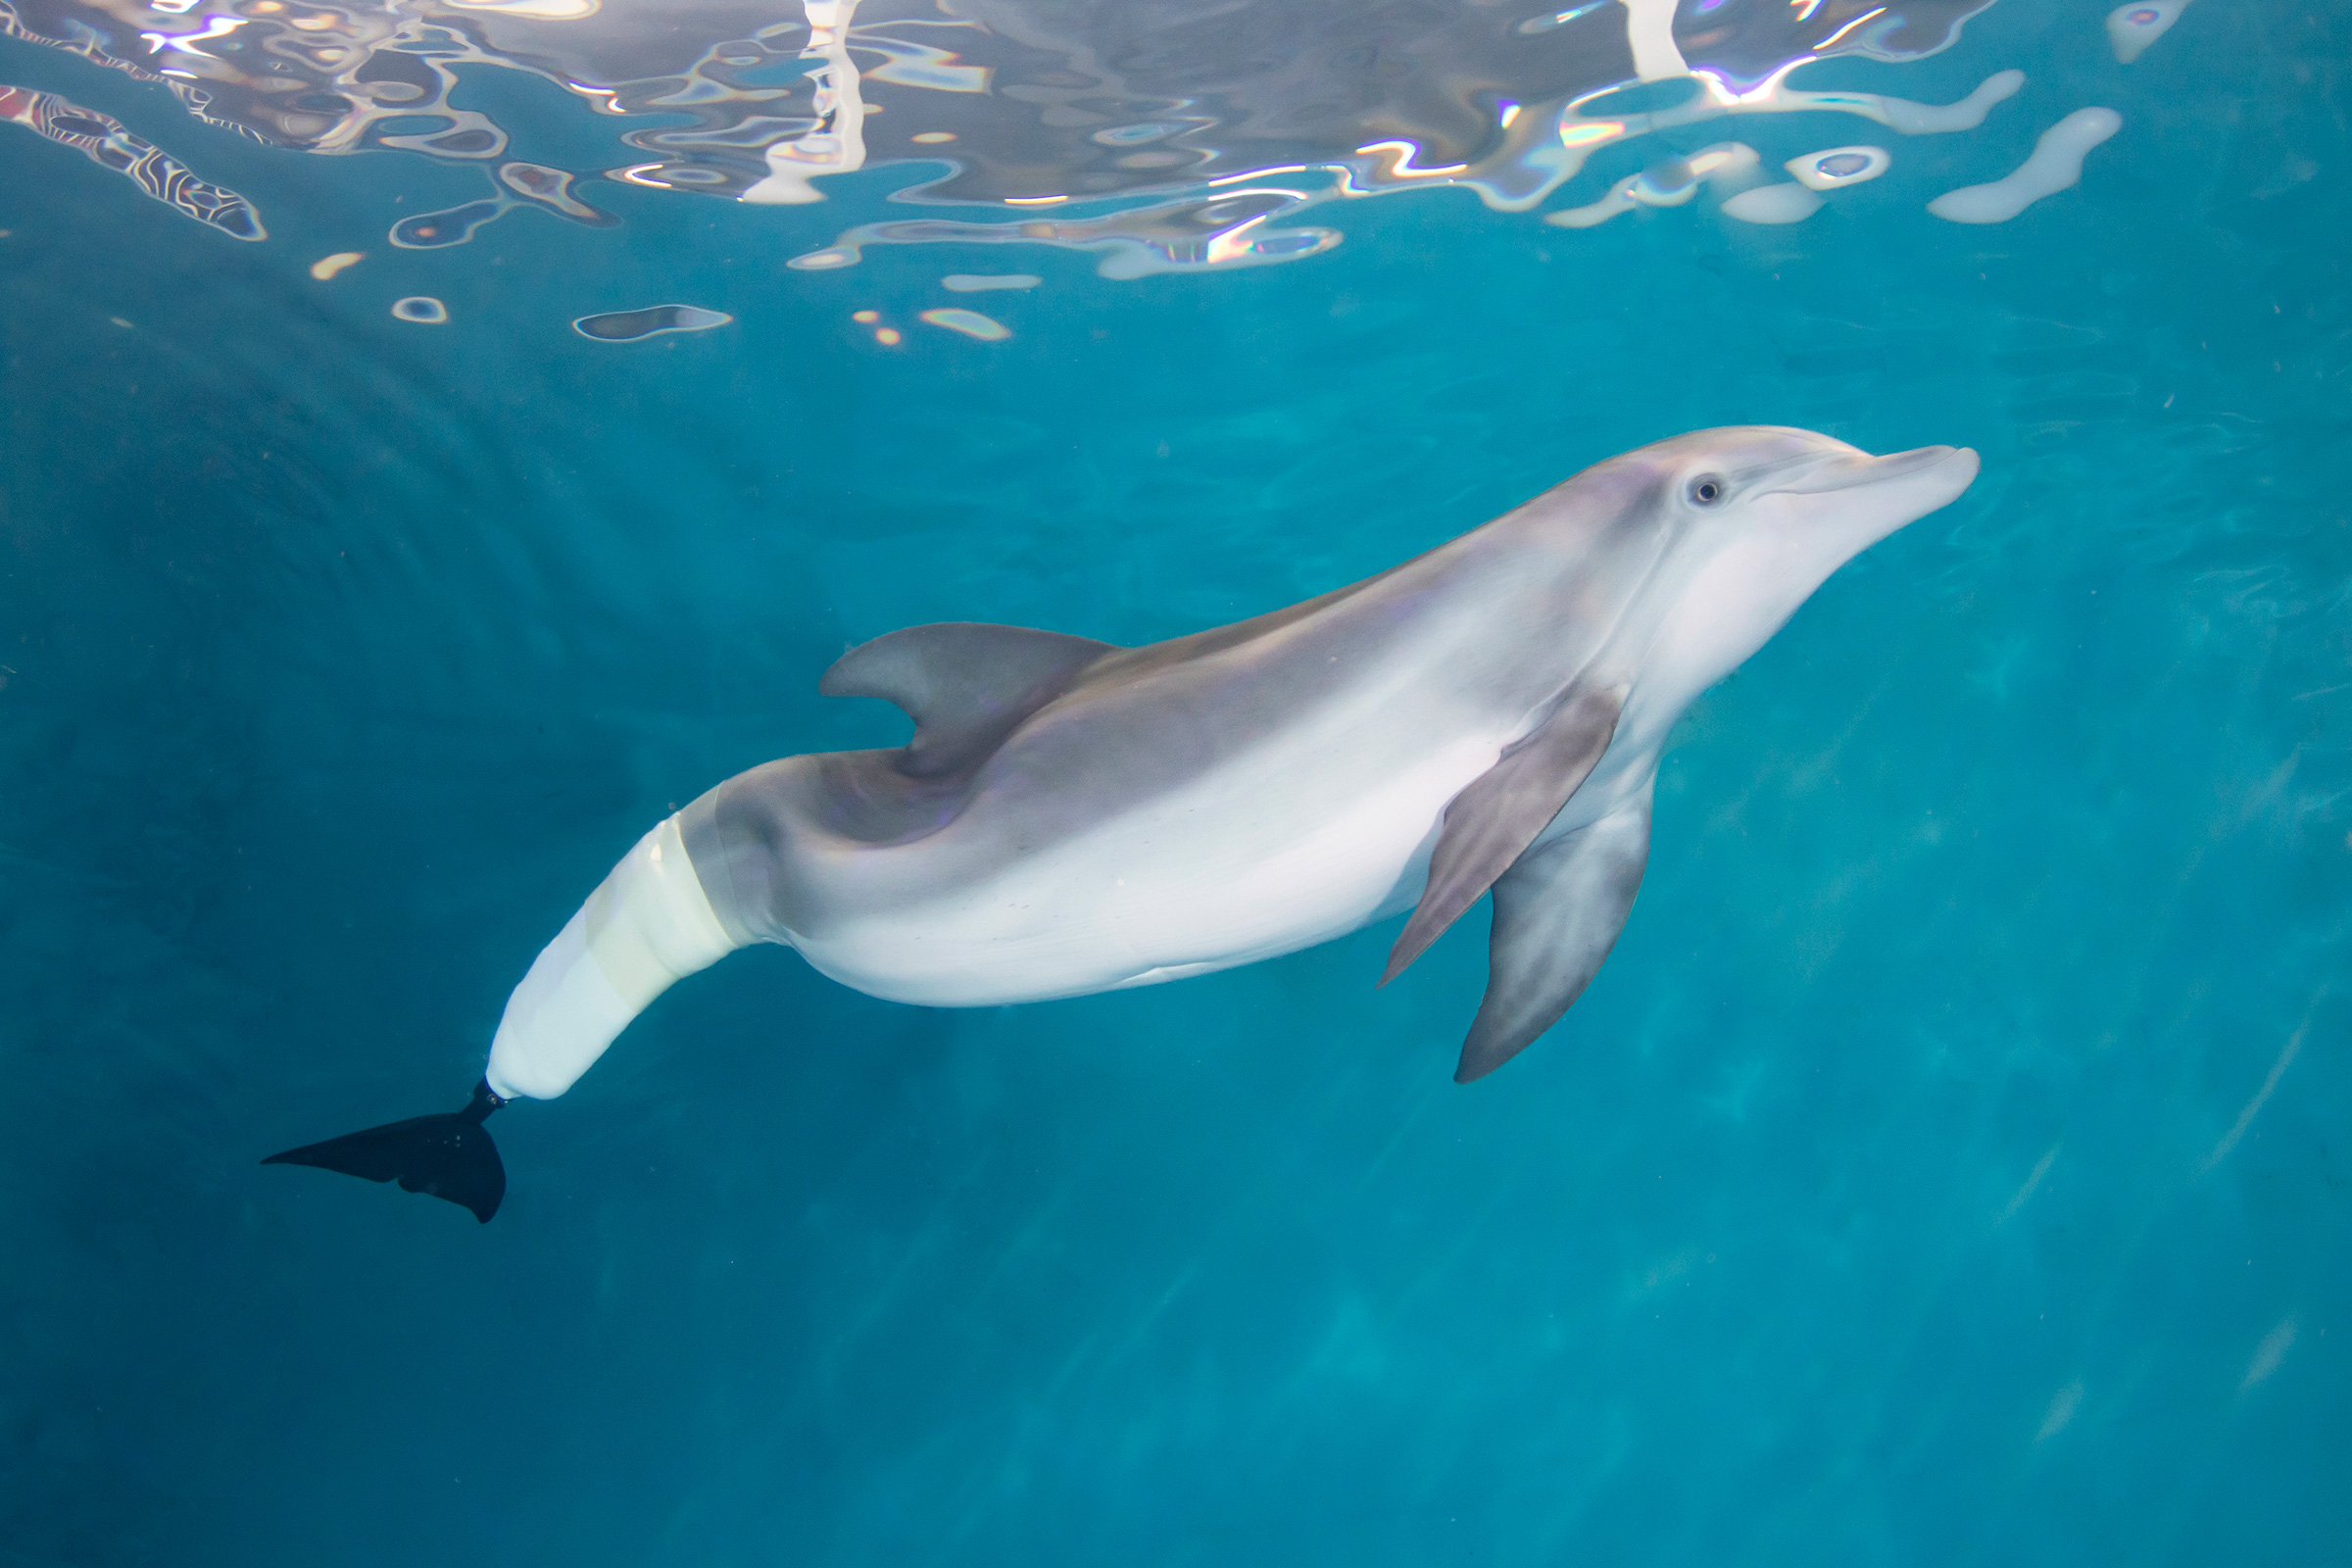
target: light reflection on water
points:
(1172, 135)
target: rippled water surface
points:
(439, 438)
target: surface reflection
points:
(1180, 133)
(103, 140)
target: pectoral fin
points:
(1499, 814)
(1557, 913)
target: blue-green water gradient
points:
(1950, 1165)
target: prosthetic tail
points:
(647, 926)
(449, 1156)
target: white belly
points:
(1297, 845)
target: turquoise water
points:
(1949, 1165)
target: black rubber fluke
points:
(449, 1156)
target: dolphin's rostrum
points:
(1072, 816)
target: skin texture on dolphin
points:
(1072, 816)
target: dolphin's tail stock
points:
(647, 925)
(447, 1156)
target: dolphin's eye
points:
(1705, 490)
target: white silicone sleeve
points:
(646, 926)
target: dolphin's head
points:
(1759, 516)
(1810, 494)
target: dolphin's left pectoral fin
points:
(1557, 913)
(1492, 822)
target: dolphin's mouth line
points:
(1826, 474)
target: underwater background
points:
(1949, 1166)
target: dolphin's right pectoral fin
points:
(1492, 822)
(1557, 913)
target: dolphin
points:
(1072, 816)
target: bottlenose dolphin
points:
(1072, 816)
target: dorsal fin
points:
(965, 685)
